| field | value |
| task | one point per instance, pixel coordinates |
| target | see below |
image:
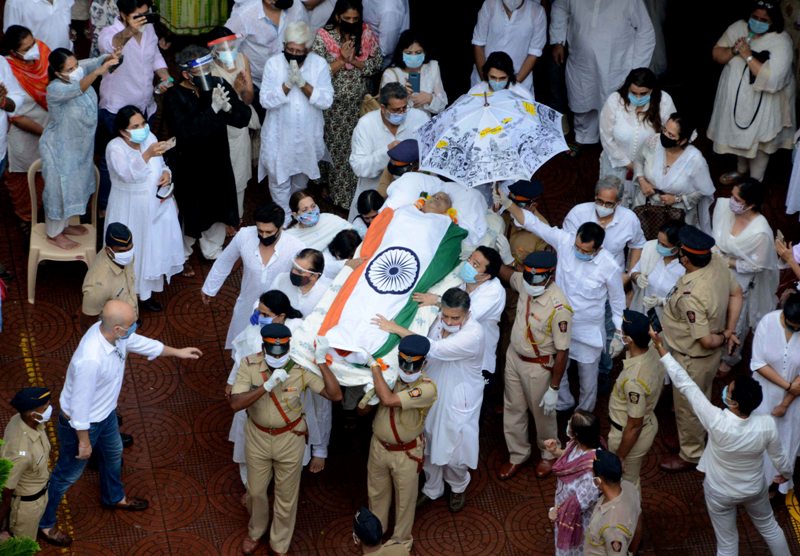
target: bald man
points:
(88, 421)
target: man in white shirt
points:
(388, 18)
(48, 20)
(11, 96)
(588, 276)
(733, 460)
(379, 131)
(88, 420)
(516, 27)
(606, 40)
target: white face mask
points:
(43, 417)
(534, 291)
(123, 258)
(277, 362)
(604, 212)
(512, 5)
(569, 430)
(409, 378)
(32, 54)
(451, 328)
(76, 76)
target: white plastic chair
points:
(42, 250)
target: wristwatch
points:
(749, 59)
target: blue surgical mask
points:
(395, 119)
(139, 135)
(498, 85)
(130, 331)
(413, 60)
(758, 27)
(638, 101)
(259, 319)
(581, 256)
(664, 251)
(467, 272)
(725, 397)
(309, 218)
(227, 57)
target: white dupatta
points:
(647, 262)
(683, 179)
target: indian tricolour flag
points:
(405, 251)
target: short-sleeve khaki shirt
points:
(416, 400)
(550, 320)
(637, 388)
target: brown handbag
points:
(652, 217)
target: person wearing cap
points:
(269, 385)
(633, 399)
(88, 421)
(368, 535)
(110, 275)
(699, 320)
(589, 276)
(536, 360)
(733, 461)
(616, 515)
(197, 112)
(27, 447)
(403, 158)
(396, 449)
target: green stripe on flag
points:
(444, 261)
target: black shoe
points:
(151, 305)
(6, 274)
(127, 440)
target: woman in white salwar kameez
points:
(314, 228)
(631, 116)
(776, 363)
(272, 307)
(744, 237)
(410, 57)
(670, 171)
(657, 270)
(265, 252)
(137, 170)
(754, 111)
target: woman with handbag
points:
(672, 173)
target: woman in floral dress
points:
(354, 55)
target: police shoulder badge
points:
(616, 546)
(415, 392)
(633, 397)
(562, 326)
(691, 316)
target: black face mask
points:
(791, 328)
(299, 58)
(350, 28)
(284, 4)
(668, 142)
(267, 241)
(298, 281)
(202, 82)
(398, 171)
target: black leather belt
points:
(620, 428)
(33, 497)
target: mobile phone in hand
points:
(779, 235)
(150, 17)
(170, 143)
(413, 80)
(164, 191)
(655, 323)
(113, 68)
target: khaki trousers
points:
(632, 466)
(393, 472)
(24, 517)
(281, 456)
(691, 434)
(525, 384)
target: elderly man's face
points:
(439, 203)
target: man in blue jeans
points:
(88, 420)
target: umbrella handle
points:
(485, 99)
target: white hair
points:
(299, 32)
(609, 182)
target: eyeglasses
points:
(601, 203)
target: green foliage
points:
(14, 546)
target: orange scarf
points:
(33, 76)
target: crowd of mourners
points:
(658, 271)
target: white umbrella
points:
(490, 137)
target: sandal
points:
(132, 505)
(249, 545)
(188, 271)
(56, 537)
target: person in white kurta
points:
(606, 40)
(292, 142)
(388, 18)
(257, 273)
(48, 20)
(516, 27)
(374, 135)
(319, 11)
(660, 269)
(775, 363)
(153, 222)
(753, 119)
(430, 78)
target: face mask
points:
(409, 378)
(201, 82)
(298, 281)
(668, 142)
(638, 101)
(569, 429)
(395, 119)
(398, 171)
(540, 278)
(758, 27)
(604, 212)
(130, 331)
(512, 5)
(32, 54)
(309, 218)
(43, 417)
(267, 241)
(348, 28)
(498, 85)
(123, 258)
(534, 291)
(227, 57)
(259, 319)
(413, 60)
(76, 76)
(467, 272)
(581, 256)
(451, 328)
(725, 397)
(791, 328)
(283, 4)
(139, 135)
(664, 251)
(276, 362)
(299, 58)
(736, 206)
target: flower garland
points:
(423, 198)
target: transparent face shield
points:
(200, 70)
(226, 50)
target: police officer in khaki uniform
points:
(111, 274)
(368, 534)
(699, 318)
(634, 397)
(615, 517)
(269, 386)
(535, 361)
(396, 450)
(28, 448)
